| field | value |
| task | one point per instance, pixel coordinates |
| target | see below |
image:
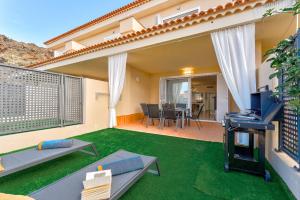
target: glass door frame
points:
(189, 78)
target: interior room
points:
(204, 95)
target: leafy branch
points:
(285, 61)
(294, 10)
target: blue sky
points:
(39, 20)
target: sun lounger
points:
(20, 160)
(70, 187)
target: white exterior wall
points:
(281, 162)
(98, 38)
(95, 117)
(72, 45)
(98, 32)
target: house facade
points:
(173, 55)
(164, 40)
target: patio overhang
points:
(168, 57)
(164, 34)
(172, 55)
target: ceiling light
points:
(187, 70)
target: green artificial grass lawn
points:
(190, 169)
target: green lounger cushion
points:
(54, 144)
(123, 165)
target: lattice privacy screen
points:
(72, 100)
(33, 100)
(290, 131)
(289, 135)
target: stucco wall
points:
(130, 25)
(136, 90)
(95, 38)
(95, 109)
(280, 161)
(147, 21)
(72, 45)
(141, 87)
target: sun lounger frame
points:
(15, 162)
(65, 189)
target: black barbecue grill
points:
(265, 108)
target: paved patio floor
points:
(209, 131)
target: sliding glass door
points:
(178, 91)
(204, 96)
(209, 91)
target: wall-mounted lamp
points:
(137, 79)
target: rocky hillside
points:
(20, 53)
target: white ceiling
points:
(96, 69)
(274, 29)
(195, 52)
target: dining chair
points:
(170, 115)
(181, 105)
(145, 112)
(186, 113)
(153, 114)
(196, 116)
(170, 106)
(165, 106)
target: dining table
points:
(183, 112)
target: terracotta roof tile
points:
(228, 9)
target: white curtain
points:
(116, 79)
(176, 91)
(235, 51)
(162, 91)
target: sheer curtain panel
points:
(235, 51)
(116, 79)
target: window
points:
(177, 15)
